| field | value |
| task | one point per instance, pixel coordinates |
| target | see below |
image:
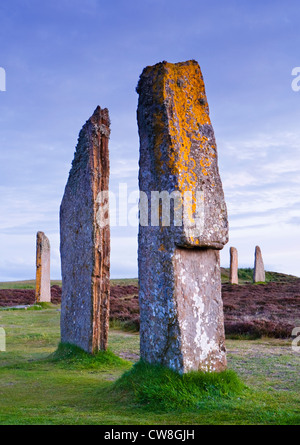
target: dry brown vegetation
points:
(254, 310)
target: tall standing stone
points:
(85, 244)
(181, 309)
(234, 279)
(42, 286)
(259, 268)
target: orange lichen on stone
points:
(38, 276)
(179, 88)
(181, 320)
(180, 148)
(42, 288)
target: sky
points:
(63, 58)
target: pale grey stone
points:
(234, 279)
(259, 268)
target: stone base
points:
(200, 309)
(187, 334)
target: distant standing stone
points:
(234, 279)
(85, 244)
(259, 269)
(43, 286)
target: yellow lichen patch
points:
(180, 112)
(162, 248)
(38, 272)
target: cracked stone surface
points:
(180, 301)
(85, 246)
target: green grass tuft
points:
(40, 306)
(35, 307)
(72, 357)
(160, 388)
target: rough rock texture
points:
(234, 279)
(179, 277)
(259, 268)
(85, 245)
(42, 290)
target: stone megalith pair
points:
(259, 269)
(183, 225)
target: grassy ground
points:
(246, 276)
(30, 284)
(37, 389)
(27, 284)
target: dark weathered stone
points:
(85, 244)
(179, 275)
(234, 279)
(43, 286)
(259, 268)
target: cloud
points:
(295, 221)
(59, 69)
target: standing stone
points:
(2, 340)
(234, 279)
(85, 243)
(259, 268)
(181, 308)
(43, 286)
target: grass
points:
(124, 282)
(27, 284)
(30, 284)
(44, 382)
(35, 307)
(246, 276)
(72, 357)
(161, 389)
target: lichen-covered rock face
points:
(181, 310)
(179, 151)
(259, 274)
(43, 286)
(200, 309)
(234, 279)
(85, 246)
